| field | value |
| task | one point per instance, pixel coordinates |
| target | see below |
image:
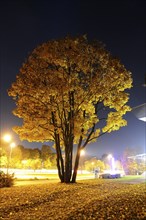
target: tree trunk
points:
(76, 166)
(77, 161)
(60, 163)
(68, 139)
(67, 175)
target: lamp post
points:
(92, 166)
(7, 138)
(12, 145)
(82, 153)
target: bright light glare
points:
(109, 156)
(82, 152)
(7, 138)
(24, 161)
(12, 145)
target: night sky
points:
(119, 24)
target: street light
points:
(109, 156)
(82, 152)
(7, 138)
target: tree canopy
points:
(64, 90)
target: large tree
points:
(63, 91)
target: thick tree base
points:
(69, 182)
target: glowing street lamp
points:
(7, 138)
(109, 156)
(82, 152)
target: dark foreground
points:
(89, 199)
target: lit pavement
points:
(44, 181)
(142, 179)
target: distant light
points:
(24, 161)
(138, 156)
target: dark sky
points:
(119, 24)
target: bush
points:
(6, 180)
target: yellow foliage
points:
(66, 86)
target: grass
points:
(130, 178)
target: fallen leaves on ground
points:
(88, 199)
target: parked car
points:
(109, 176)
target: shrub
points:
(6, 180)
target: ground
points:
(88, 199)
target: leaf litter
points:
(88, 199)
